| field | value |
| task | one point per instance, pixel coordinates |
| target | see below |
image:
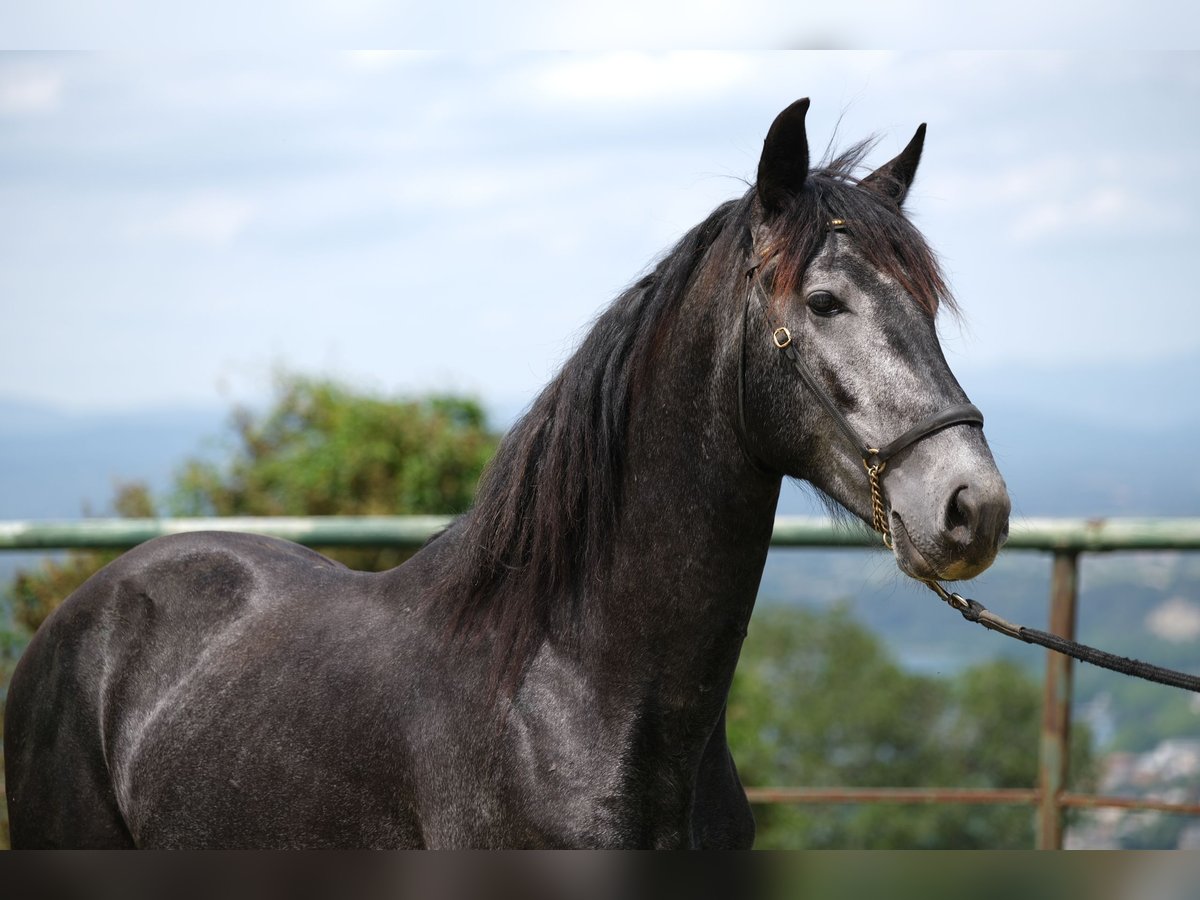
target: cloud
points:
(483, 186)
(1105, 208)
(642, 78)
(1062, 195)
(374, 175)
(214, 219)
(380, 60)
(26, 91)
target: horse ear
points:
(893, 179)
(784, 163)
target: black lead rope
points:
(974, 611)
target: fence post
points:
(1056, 709)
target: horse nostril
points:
(976, 519)
(961, 515)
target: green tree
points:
(321, 448)
(818, 702)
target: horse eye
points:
(823, 303)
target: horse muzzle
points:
(948, 528)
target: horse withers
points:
(553, 669)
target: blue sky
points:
(175, 226)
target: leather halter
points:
(874, 458)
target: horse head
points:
(842, 291)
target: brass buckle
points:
(785, 341)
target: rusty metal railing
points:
(1065, 539)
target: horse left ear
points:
(893, 179)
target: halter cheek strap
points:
(874, 458)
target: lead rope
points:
(973, 611)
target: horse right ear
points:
(784, 163)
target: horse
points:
(552, 670)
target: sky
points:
(174, 227)
(467, 25)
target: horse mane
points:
(547, 505)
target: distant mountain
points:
(1147, 395)
(55, 464)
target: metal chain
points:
(879, 516)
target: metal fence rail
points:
(1065, 539)
(1051, 535)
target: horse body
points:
(253, 693)
(553, 669)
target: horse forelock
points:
(880, 230)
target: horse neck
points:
(696, 517)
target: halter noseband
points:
(874, 459)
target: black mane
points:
(546, 508)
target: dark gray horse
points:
(553, 669)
